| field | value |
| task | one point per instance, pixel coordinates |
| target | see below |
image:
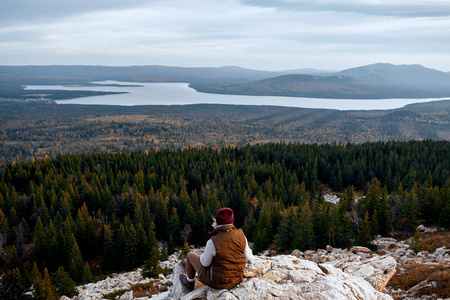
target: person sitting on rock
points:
(222, 264)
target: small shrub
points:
(144, 290)
(416, 243)
(185, 250)
(113, 295)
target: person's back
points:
(228, 264)
(223, 262)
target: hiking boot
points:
(190, 285)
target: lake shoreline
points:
(135, 94)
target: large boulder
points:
(286, 277)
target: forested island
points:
(75, 217)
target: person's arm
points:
(210, 252)
(248, 254)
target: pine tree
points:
(64, 284)
(416, 243)
(40, 248)
(364, 236)
(304, 231)
(87, 274)
(121, 244)
(108, 249)
(12, 285)
(161, 220)
(143, 247)
(76, 263)
(285, 237)
(265, 226)
(37, 281)
(174, 226)
(170, 245)
(151, 266)
(48, 290)
(131, 248)
(4, 225)
(409, 214)
(345, 233)
(85, 232)
(347, 202)
(163, 255)
(374, 227)
(15, 262)
(258, 243)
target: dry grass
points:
(431, 241)
(442, 277)
(144, 290)
(416, 273)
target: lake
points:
(182, 94)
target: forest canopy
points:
(61, 217)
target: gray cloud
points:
(405, 8)
(264, 34)
(29, 11)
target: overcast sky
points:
(258, 34)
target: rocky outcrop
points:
(358, 261)
(323, 274)
(116, 282)
(288, 277)
(331, 273)
(403, 255)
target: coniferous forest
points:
(68, 219)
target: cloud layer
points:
(263, 34)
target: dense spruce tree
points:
(40, 249)
(64, 285)
(48, 289)
(85, 232)
(87, 274)
(286, 234)
(82, 208)
(131, 247)
(15, 262)
(75, 263)
(174, 226)
(345, 233)
(364, 235)
(37, 282)
(108, 262)
(304, 231)
(12, 286)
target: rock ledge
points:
(288, 277)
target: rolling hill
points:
(376, 81)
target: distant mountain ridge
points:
(376, 81)
(153, 73)
(412, 75)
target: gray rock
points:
(287, 277)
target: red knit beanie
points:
(225, 216)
